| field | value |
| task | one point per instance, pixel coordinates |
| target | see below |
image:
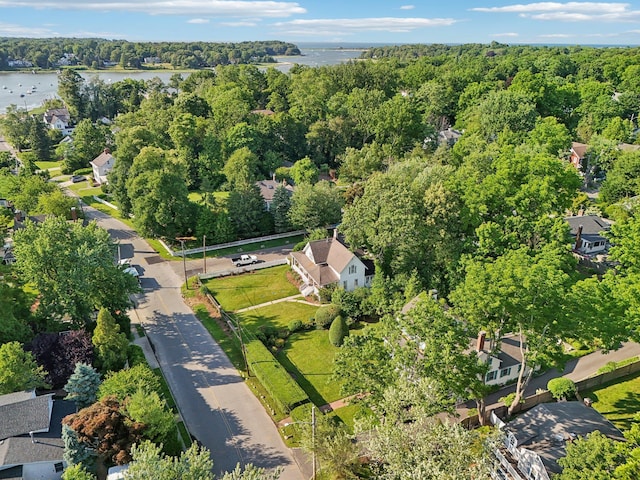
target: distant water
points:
(13, 85)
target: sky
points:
(335, 21)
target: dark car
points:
(78, 178)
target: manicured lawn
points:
(309, 357)
(48, 165)
(240, 291)
(221, 197)
(84, 189)
(279, 315)
(619, 401)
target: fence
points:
(104, 202)
(245, 269)
(544, 397)
(237, 243)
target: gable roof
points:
(546, 428)
(102, 159)
(324, 260)
(60, 113)
(46, 447)
(20, 415)
(268, 188)
(592, 226)
(580, 149)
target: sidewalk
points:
(576, 369)
(253, 307)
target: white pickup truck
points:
(244, 260)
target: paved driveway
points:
(217, 406)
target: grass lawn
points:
(279, 315)
(48, 165)
(250, 247)
(240, 291)
(309, 357)
(618, 401)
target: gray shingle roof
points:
(25, 415)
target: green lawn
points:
(221, 197)
(619, 401)
(309, 357)
(279, 315)
(240, 291)
(48, 165)
(84, 189)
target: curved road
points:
(217, 406)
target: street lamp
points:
(313, 438)
(184, 258)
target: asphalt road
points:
(217, 406)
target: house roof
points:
(546, 428)
(579, 149)
(20, 415)
(53, 113)
(324, 260)
(102, 159)
(449, 134)
(264, 111)
(627, 147)
(48, 446)
(268, 188)
(592, 226)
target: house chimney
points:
(578, 239)
(107, 151)
(74, 214)
(273, 176)
(335, 233)
(481, 338)
(17, 216)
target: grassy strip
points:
(171, 403)
(249, 247)
(618, 401)
(240, 291)
(611, 366)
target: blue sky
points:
(368, 21)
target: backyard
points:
(619, 402)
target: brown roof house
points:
(537, 439)
(31, 445)
(102, 165)
(268, 190)
(326, 262)
(578, 155)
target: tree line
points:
(46, 53)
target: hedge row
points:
(275, 379)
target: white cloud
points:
(12, 30)
(227, 8)
(506, 34)
(407, 7)
(569, 11)
(198, 21)
(347, 26)
(238, 24)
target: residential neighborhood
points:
(420, 264)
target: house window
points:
(352, 269)
(355, 282)
(505, 371)
(491, 376)
(344, 284)
(59, 467)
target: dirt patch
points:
(200, 299)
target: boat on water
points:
(4, 87)
(29, 92)
(21, 95)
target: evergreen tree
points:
(83, 385)
(76, 452)
(39, 140)
(110, 344)
(280, 206)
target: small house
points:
(58, 119)
(327, 262)
(504, 358)
(268, 190)
(102, 165)
(578, 154)
(587, 231)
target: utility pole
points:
(204, 252)
(184, 258)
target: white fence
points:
(104, 202)
(238, 243)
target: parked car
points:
(244, 260)
(78, 178)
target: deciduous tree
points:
(18, 369)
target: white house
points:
(504, 360)
(326, 262)
(58, 119)
(587, 231)
(102, 165)
(537, 439)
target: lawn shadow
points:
(625, 409)
(300, 378)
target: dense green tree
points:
(39, 140)
(125, 383)
(280, 206)
(315, 206)
(72, 267)
(14, 314)
(241, 169)
(14, 126)
(110, 344)
(18, 369)
(71, 90)
(76, 452)
(151, 410)
(623, 179)
(77, 472)
(247, 211)
(506, 109)
(83, 385)
(304, 171)
(149, 462)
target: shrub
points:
(286, 393)
(325, 315)
(325, 293)
(561, 388)
(338, 331)
(608, 367)
(295, 325)
(508, 399)
(135, 355)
